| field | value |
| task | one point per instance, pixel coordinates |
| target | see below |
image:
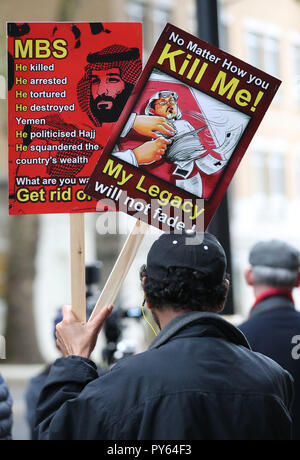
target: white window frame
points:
(252, 36)
(267, 32)
(225, 20)
(267, 203)
(297, 171)
(134, 13)
(294, 42)
(159, 8)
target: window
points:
(263, 53)
(153, 15)
(192, 18)
(260, 177)
(137, 12)
(295, 53)
(277, 174)
(160, 17)
(271, 60)
(268, 182)
(271, 56)
(224, 36)
(226, 20)
(277, 199)
(269, 174)
(297, 172)
(254, 49)
(2, 87)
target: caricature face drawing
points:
(106, 88)
(166, 106)
(109, 77)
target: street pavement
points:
(20, 427)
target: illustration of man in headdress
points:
(174, 140)
(107, 83)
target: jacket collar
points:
(272, 302)
(180, 322)
(272, 292)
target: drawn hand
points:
(151, 151)
(147, 125)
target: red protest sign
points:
(68, 84)
(182, 134)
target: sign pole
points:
(121, 268)
(77, 245)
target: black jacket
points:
(273, 324)
(5, 412)
(32, 395)
(198, 380)
(33, 392)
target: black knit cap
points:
(200, 252)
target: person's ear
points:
(147, 304)
(145, 301)
(249, 277)
(221, 307)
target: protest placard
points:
(182, 134)
(67, 85)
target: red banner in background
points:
(68, 84)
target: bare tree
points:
(22, 347)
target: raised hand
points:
(76, 338)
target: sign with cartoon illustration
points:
(68, 84)
(182, 134)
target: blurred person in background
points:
(6, 418)
(274, 323)
(198, 379)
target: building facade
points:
(265, 193)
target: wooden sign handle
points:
(121, 268)
(78, 288)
